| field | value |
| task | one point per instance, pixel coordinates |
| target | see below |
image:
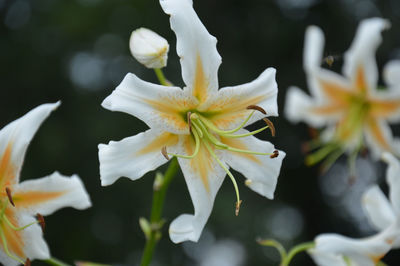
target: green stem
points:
(156, 212)
(161, 77)
(295, 250)
(55, 262)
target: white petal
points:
(48, 194)
(326, 259)
(393, 180)
(203, 190)
(17, 135)
(261, 171)
(195, 47)
(231, 102)
(363, 252)
(362, 50)
(374, 142)
(134, 156)
(378, 209)
(158, 106)
(391, 74)
(149, 48)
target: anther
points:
(257, 108)
(238, 203)
(189, 120)
(8, 191)
(270, 125)
(274, 154)
(41, 221)
(164, 152)
(27, 262)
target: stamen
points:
(164, 152)
(8, 191)
(238, 207)
(246, 134)
(5, 247)
(209, 136)
(196, 149)
(189, 121)
(41, 221)
(238, 201)
(222, 132)
(27, 262)
(13, 227)
(270, 125)
(257, 108)
(250, 152)
(275, 154)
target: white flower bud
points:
(149, 48)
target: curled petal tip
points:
(165, 153)
(257, 108)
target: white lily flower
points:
(350, 106)
(149, 48)
(381, 212)
(333, 249)
(199, 124)
(21, 237)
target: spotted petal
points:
(158, 106)
(260, 170)
(228, 109)
(195, 47)
(203, 177)
(14, 141)
(359, 61)
(134, 156)
(48, 194)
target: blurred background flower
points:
(77, 51)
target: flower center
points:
(205, 132)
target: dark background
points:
(77, 51)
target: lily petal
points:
(134, 156)
(393, 179)
(378, 209)
(378, 136)
(195, 47)
(360, 58)
(14, 140)
(391, 74)
(228, 108)
(326, 259)
(48, 194)
(260, 170)
(203, 177)
(158, 106)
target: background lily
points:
(350, 106)
(21, 237)
(199, 124)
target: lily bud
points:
(149, 48)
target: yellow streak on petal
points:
(202, 163)
(201, 82)
(7, 169)
(327, 109)
(384, 108)
(166, 139)
(14, 238)
(376, 258)
(361, 84)
(344, 129)
(236, 143)
(336, 93)
(377, 133)
(23, 199)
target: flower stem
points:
(295, 250)
(161, 77)
(55, 262)
(156, 221)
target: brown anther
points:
(27, 262)
(164, 152)
(257, 108)
(274, 154)
(313, 132)
(238, 207)
(305, 147)
(270, 125)
(189, 120)
(41, 221)
(8, 191)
